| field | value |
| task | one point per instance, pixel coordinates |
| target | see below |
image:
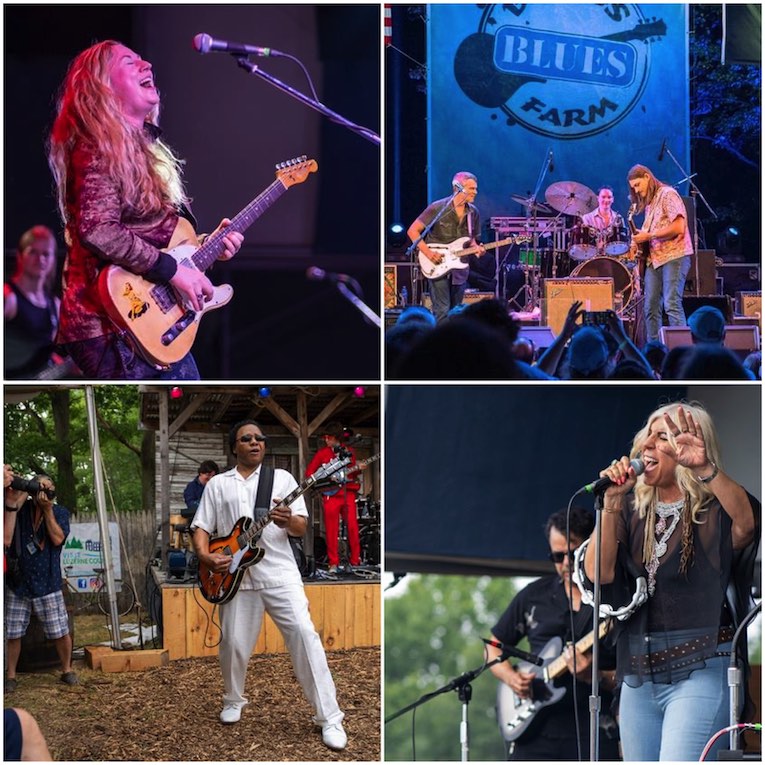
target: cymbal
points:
(571, 198)
(530, 203)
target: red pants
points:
(343, 502)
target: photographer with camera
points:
(595, 347)
(33, 576)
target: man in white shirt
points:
(272, 586)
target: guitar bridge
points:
(179, 326)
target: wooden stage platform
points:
(346, 614)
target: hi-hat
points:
(571, 198)
(531, 203)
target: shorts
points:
(49, 609)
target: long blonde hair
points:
(697, 496)
(89, 113)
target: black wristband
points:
(9, 509)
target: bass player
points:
(120, 197)
(460, 219)
(273, 586)
(540, 612)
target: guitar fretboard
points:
(558, 667)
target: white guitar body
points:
(451, 258)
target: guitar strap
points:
(265, 487)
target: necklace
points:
(667, 518)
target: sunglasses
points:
(247, 437)
(558, 557)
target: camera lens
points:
(31, 486)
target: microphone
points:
(511, 650)
(316, 274)
(203, 43)
(661, 151)
(551, 166)
(458, 186)
(603, 483)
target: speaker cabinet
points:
(741, 340)
(701, 277)
(749, 303)
(475, 296)
(542, 337)
(721, 302)
(559, 294)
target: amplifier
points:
(559, 294)
(470, 296)
(741, 340)
(749, 303)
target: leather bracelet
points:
(712, 475)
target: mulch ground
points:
(171, 713)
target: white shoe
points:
(231, 714)
(334, 736)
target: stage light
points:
(396, 235)
(264, 392)
(359, 391)
(176, 392)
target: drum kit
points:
(579, 250)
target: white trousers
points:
(241, 620)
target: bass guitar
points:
(452, 254)
(516, 715)
(163, 327)
(241, 543)
(643, 249)
(338, 480)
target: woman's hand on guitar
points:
(520, 682)
(192, 286)
(232, 240)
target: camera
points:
(31, 486)
(595, 319)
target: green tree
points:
(47, 432)
(433, 634)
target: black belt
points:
(683, 654)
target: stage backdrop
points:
(599, 85)
(473, 472)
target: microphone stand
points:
(338, 119)
(695, 192)
(369, 315)
(595, 695)
(464, 690)
(735, 680)
(534, 291)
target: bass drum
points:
(616, 270)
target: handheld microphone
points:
(603, 483)
(513, 651)
(661, 151)
(551, 166)
(203, 43)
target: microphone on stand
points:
(316, 274)
(203, 43)
(662, 150)
(551, 166)
(511, 650)
(603, 483)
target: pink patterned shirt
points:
(667, 205)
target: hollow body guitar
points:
(161, 326)
(516, 716)
(241, 543)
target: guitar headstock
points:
(328, 468)
(296, 170)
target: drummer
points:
(603, 219)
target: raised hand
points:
(691, 450)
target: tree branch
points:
(116, 434)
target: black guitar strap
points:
(265, 487)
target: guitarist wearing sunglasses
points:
(662, 247)
(540, 613)
(273, 586)
(122, 202)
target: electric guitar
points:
(516, 715)
(337, 480)
(242, 545)
(452, 254)
(161, 326)
(643, 249)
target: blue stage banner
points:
(601, 86)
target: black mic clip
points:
(510, 650)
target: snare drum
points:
(583, 242)
(617, 242)
(616, 270)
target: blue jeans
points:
(664, 289)
(110, 358)
(675, 722)
(445, 295)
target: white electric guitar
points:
(452, 254)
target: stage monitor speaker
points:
(475, 296)
(721, 302)
(559, 294)
(391, 316)
(542, 337)
(749, 303)
(741, 340)
(703, 282)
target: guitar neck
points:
(492, 245)
(212, 249)
(558, 667)
(259, 525)
(361, 465)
